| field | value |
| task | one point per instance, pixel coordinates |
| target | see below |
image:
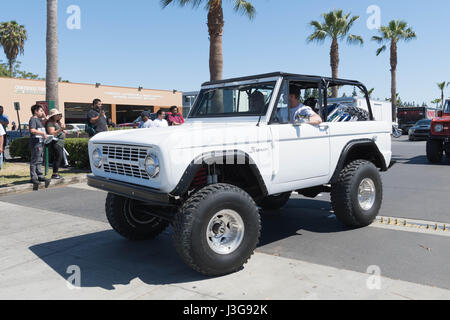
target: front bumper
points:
(131, 191)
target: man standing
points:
(2, 134)
(97, 118)
(4, 122)
(160, 121)
(38, 136)
(146, 121)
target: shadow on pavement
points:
(106, 259)
(299, 215)
(420, 160)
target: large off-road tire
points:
(435, 151)
(357, 195)
(132, 219)
(275, 202)
(217, 230)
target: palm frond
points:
(354, 39)
(380, 50)
(245, 8)
(181, 3)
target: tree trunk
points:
(215, 29)
(11, 67)
(334, 62)
(52, 52)
(442, 101)
(394, 79)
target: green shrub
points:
(76, 147)
(78, 152)
(20, 148)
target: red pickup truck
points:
(439, 141)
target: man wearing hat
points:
(55, 128)
(146, 121)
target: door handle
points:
(324, 126)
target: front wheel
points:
(357, 195)
(217, 230)
(132, 219)
(435, 151)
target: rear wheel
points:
(275, 202)
(133, 219)
(217, 230)
(357, 195)
(435, 151)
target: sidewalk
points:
(39, 246)
(15, 177)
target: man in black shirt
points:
(97, 118)
(38, 136)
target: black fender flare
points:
(222, 158)
(354, 144)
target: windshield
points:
(244, 100)
(423, 123)
(447, 107)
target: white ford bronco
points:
(240, 153)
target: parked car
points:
(421, 130)
(130, 125)
(239, 152)
(72, 128)
(439, 141)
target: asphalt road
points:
(306, 230)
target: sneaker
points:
(56, 177)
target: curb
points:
(54, 183)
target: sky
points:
(138, 43)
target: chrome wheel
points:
(367, 194)
(225, 232)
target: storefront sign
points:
(30, 90)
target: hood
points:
(445, 118)
(198, 134)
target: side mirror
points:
(440, 113)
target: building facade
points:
(122, 104)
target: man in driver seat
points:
(298, 111)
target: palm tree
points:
(393, 33)
(336, 26)
(442, 86)
(369, 91)
(215, 28)
(12, 39)
(437, 102)
(51, 78)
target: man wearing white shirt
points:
(298, 111)
(146, 121)
(160, 121)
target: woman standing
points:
(175, 118)
(55, 127)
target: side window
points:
(280, 113)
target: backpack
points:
(90, 130)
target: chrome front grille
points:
(124, 153)
(125, 161)
(125, 169)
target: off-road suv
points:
(439, 140)
(239, 154)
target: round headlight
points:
(152, 165)
(438, 128)
(97, 158)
